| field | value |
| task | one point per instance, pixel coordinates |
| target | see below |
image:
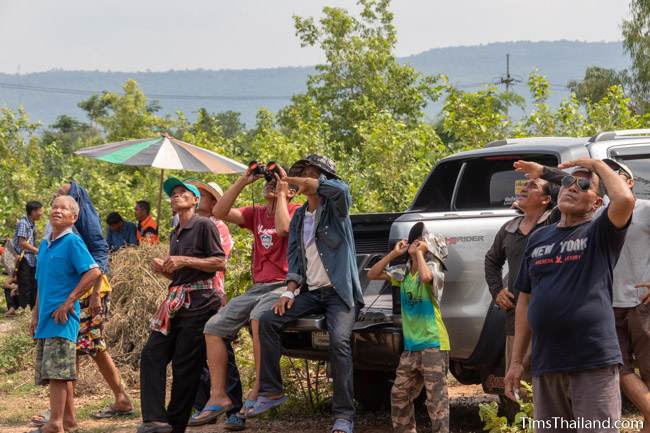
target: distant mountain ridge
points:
(247, 90)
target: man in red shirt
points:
(270, 226)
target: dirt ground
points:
(464, 402)
(20, 399)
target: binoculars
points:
(268, 170)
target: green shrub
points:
(16, 346)
(489, 414)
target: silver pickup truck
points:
(467, 198)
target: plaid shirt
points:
(26, 229)
(177, 297)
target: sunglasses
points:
(583, 184)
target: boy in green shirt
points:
(424, 361)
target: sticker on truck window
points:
(519, 185)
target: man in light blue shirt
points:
(65, 270)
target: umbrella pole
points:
(162, 176)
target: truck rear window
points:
(641, 169)
(437, 190)
(637, 158)
(491, 182)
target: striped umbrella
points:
(164, 152)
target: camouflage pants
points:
(426, 368)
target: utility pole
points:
(507, 80)
(20, 91)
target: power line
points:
(508, 80)
(68, 91)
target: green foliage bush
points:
(493, 423)
(16, 346)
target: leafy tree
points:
(361, 76)
(595, 85)
(95, 107)
(125, 116)
(68, 132)
(471, 119)
(636, 41)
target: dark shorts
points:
(633, 330)
(56, 359)
(91, 328)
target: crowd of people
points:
(575, 287)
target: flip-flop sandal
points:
(154, 427)
(342, 425)
(41, 419)
(248, 405)
(264, 404)
(214, 411)
(111, 412)
(39, 429)
(234, 423)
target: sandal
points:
(154, 427)
(264, 404)
(247, 407)
(342, 425)
(41, 419)
(234, 423)
(110, 412)
(214, 411)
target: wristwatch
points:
(288, 294)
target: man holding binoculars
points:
(269, 223)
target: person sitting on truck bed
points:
(535, 200)
(425, 359)
(565, 282)
(631, 303)
(322, 262)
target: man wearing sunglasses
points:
(631, 295)
(565, 284)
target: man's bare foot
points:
(50, 428)
(123, 404)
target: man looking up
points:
(631, 310)
(269, 224)
(565, 284)
(211, 193)
(535, 200)
(66, 270)
(195, 255)
(323, 278)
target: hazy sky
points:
(159, 35)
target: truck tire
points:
(372, 389)
(464, 375)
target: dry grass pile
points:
(137, 293)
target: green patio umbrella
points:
(166, 153)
